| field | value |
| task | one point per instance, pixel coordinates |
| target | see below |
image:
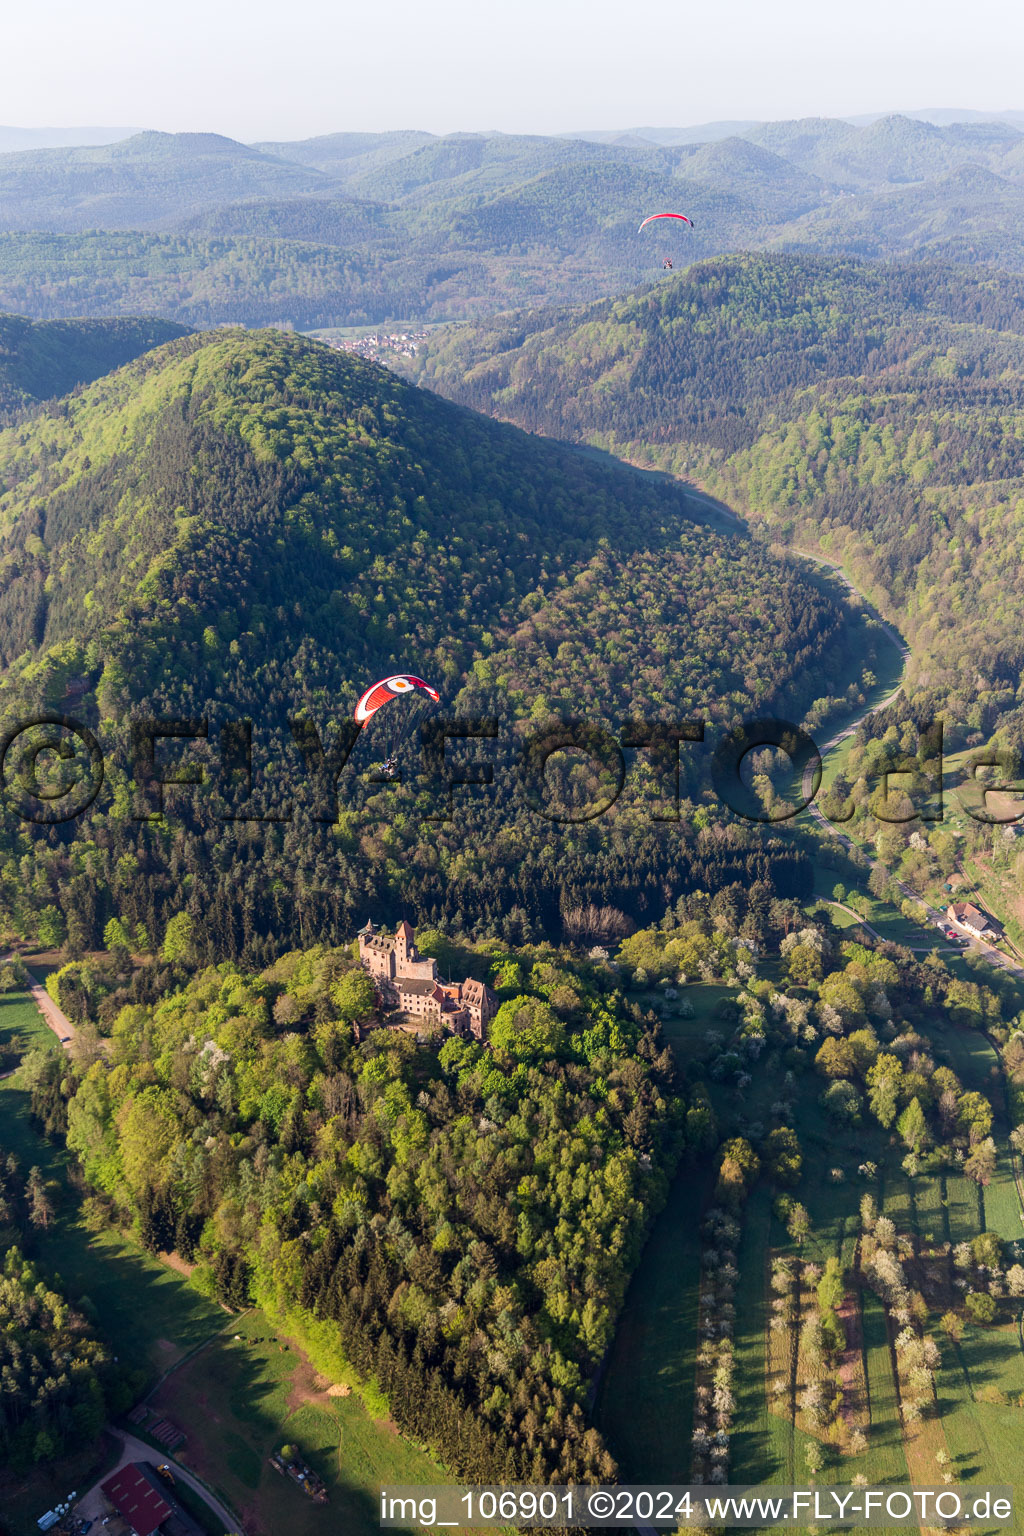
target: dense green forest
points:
(468, 1217)
(869, 412)
(254, 526)
(42, 359)
(51, 1365)
(359, 229)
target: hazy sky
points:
(264, 68)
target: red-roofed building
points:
(137, 1501)
(981, 924)
(409, 983)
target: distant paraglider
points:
(397, 723)
(653, 217)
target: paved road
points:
(939, 918)
(923, 949)
(93, 1505)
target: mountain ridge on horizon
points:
(14, 138)
(723, 128)
(359, 229)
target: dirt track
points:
(54, 1016)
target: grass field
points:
(766, 1447)
(929, 1211)
(971, 1054)
(886, 919)
(885, 1460)
(148, 1313)
(22, 1027)
(763, 1444)
(984, 1439)
(1002, 1202)
(257, 1392)
(686, 1037)
(974, 1059)
(644, 1405)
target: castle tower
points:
(405, 946)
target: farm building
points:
(146, 1503)
(975, 921)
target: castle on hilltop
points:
(408, 982)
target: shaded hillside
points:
(42, 359)
(876, 411)
(251, 525)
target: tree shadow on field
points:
(756, 1448)
(241, 1399)
(135, 1300)
(979, 1356)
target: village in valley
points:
(381, 346)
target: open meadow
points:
(252, 1391)
(22, 1028)
(644, 1403)
(236, 1400)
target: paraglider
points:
(398, 722)
(653, 218)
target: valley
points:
(433, 1048)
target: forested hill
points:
(42, 359)
(362, 229)
(250, 525)
(873, 410)
(301, 502)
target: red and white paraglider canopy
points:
(651, 218)
(389, 688)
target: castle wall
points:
(392, 960)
